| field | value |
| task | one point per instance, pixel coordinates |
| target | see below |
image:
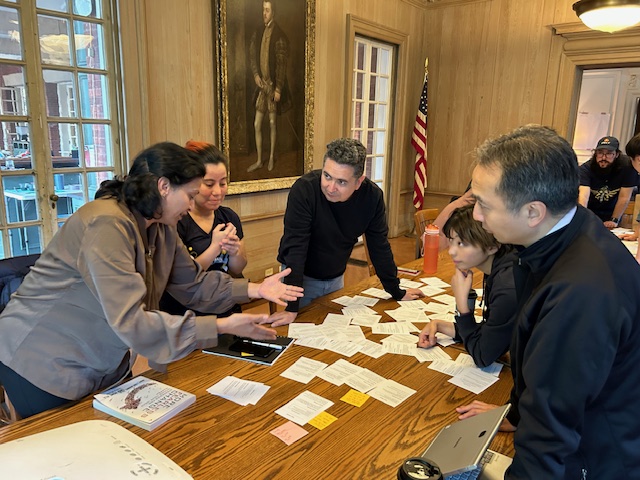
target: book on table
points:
(143, 402)
(263, 352)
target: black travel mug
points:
(471, 300)
(419, 468)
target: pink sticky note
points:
(289, 432)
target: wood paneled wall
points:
(489, 63)
(494, 65)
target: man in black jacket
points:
(576, 346)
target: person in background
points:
(456, 202)
(470, 246)
(327, 210)
(92, 296)
(633, 151)
(576, 345)
(606, 182)
(211, 232)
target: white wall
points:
(607, 106)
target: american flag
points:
(419, 142)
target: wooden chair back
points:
(627, 218)
(422, 218)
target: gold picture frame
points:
(239, 36)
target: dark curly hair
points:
(347, 151)
(139, 189)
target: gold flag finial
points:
(426, 65)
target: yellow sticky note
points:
(355, 398)
(246, 354)
(322, 420)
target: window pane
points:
(359, 85)
(89, 40)
(381, 143)
(94, 96)
(357, 115)
(381, 116)
(94, 179)
(10, 46)
(360, 50)
(54, 40)
(378, 168)
(97, 145)
(383, 61)
(367, 168)
(372, 87)
(371, 116)
(25, 240)
(12, 92)
(358, 135)
(88, 8)
(20, 198)
(374, 59)
(70, 190)
(369, 144)
(59, 93)
(55, 5)
(383, 89)
(63, 138)
(15, 149)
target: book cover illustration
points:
(143, 401)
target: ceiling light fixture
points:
(608, 15)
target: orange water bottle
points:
(431, 243)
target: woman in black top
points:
(212, 233)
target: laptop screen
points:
(459, 447)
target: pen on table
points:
(263, 344)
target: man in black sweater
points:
(327, 211)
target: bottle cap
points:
(431, 229)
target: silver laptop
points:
(461, 447)
(95, 449)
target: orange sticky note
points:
(355, 398)
(289, 432)
(322, 420)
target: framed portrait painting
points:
(265, 72)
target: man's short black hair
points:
(537, 164)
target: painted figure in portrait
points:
(265, 60)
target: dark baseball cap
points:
(608, 143)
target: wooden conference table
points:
(215, 438)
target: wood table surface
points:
(217, 439)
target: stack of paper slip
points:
(304, 407)
(242, 392)
(304, 370)
(377, 292)
(466, 375)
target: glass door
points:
(59, 136)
